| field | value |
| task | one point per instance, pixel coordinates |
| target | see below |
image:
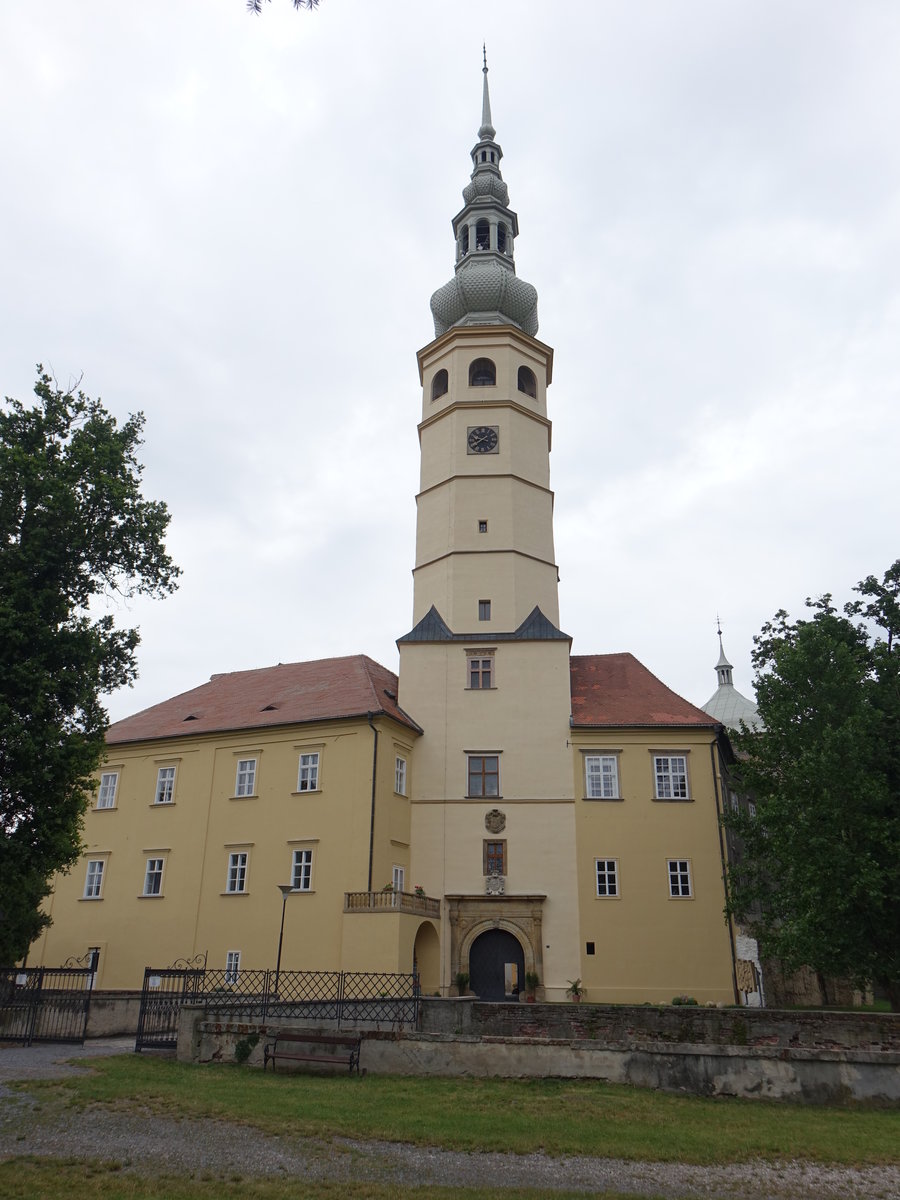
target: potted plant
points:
(532, 982)
(419, 891)
(575, 991)
(462, 982)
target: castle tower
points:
(485, 667)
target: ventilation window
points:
(527, 382)
(439, 384)
(482, 235)
(482, 373)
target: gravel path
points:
(33, 1125)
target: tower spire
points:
(485, 290)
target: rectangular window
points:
(484, 775)
(400, 775)
(165, 785)
(484, 610)
(308, 779)
(670, 771)
(301, 873)
(153, 877)
(482, 526)
(93, 881)
(601, 776)
(398, 878)
(245, 780)
(607, 877)
(237, 872)
(679, 878)
(495, 858)
(481, 672)
(106, 797)
(232, 967)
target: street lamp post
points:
(285, 889)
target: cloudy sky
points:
(235, 224)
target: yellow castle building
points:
(498, 808)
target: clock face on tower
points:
(483, 439)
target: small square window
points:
(245, 779)
(308, 779)
(484, 610)
(301, 870)
(106, 796)
(607, 877)
(484, 775)
(679, 878)
(589, 948)
(400, 775)
(165, 785)
(153, 877)
(232, 967)
(93, 880)
(237, 872)
(482, 526)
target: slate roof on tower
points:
(617, 690)
(288, 694)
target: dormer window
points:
(482, 373)
(440, 384)
(482, 235)
(527, 382)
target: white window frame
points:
(670, 781)
(165, 786)
(400, 775)
(308, 772)
(601, 776)
(233, 967)
(301, 870)
(245, 777)
(93, 879)
(106, 793)
(236, 879)
(398, 877)
(153, 874)
(606, 878)
(681, 885)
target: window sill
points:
(492, 688)
(251, 796)
(151, 896)
(234, 893)
(604, 799)
(308, 792)
(607, 897)
(105, 808)
(672, 799)
(162, 804)
(491, 798)
(89, 899)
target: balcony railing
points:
(408, 902)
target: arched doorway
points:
(427, 958)
(496, 966)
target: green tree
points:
(818, 879)
(75, 531)
(255, 6)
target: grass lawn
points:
(557, 1116)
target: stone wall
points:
(807, 1057)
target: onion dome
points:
(485, 289)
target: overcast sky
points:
(235, 223)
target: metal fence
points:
(45, 1004)
(325, 997)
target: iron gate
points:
(327, 997)
(45, 1004)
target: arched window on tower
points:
(482, 373)
(501, 238)
(439, 384)
(482, 235)
(527, 382)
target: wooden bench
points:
(300, 1045)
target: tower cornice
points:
(482, 335)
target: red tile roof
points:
(617, 690)
(291, 693)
